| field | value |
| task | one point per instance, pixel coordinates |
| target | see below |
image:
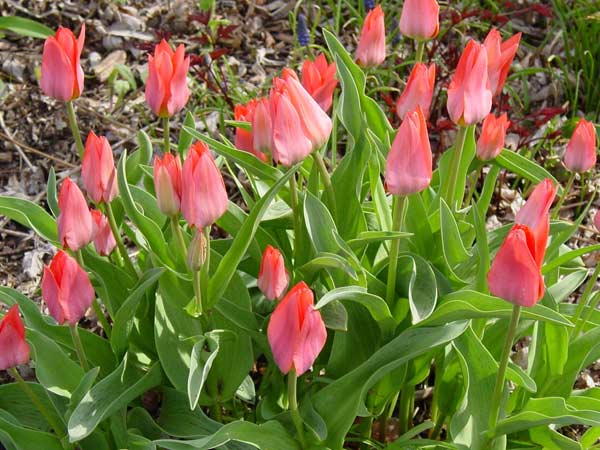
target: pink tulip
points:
(66, 289)
(500, 56)
(244, 139)
(75, 224)
(296, 331)
(597, 220)
(98, 169)
(581, 149)
(420, 19)
(273, 278)
(469, 94)
(262, 127)
(418, 90)
(62, 75)
(493, 134)
(15, 350)
(318, 78)
(409, 162)
(204, 198)
(167, 183)
(104, 240)
(371, 46)
(166, 86)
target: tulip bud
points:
(500, 56)
(15, 350)
(469, 94)
(371, 46)
(98, 169)
(167, 183)
(581, 149)
(166, 86)
(262, 127)
(104, 241)
(420, 19)
(409, 162)
(204, 197)
(75, 224)
(418, 91)
(66, 289)
(244, 139)
(597, 220)
(273, 278)
(197, 251)
(296, 331)
(62, 75)
(318, 78)
(493, 134)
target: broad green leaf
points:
(524, 167)
(12, 433)
(520, 377)
(31, 216)
(371, 237)
(20, 406)
(567, 257)
(185, 138)
(335, 316)
(327, 261)
(177, 420)
(51, 195)
(552, 440)
(421, 289)
(201, 363)
(25, 27)
(560, 291)
(142, 156)
(452, 244)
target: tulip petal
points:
(51, 295)
(57, 73)
(179, 90)
(283, 333)
(313, 336)
(15, 350)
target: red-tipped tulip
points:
(296, 331)
(318, 78)
(75, 223)
(62, 75)
(273, 278)
(418, 90)
(15, 350)
(98, 169)
(469, 94)
(262, 127)
(409, 162)
(167, 183)
(204, 198)
(104, 241)
(420, 19)
(66, 289)
(166, 86)
(244, 139)
(581, 149)
(500, 56)
(493, 134)
(371, 46)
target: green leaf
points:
(185, 138)
(524, 167)
(142, 156)
(30, 215)
(422, 286)
(552, 440)
(20, 406)
(327, 261)
(25, 27)
(569, 256)
(21, 438)
(51, 196)
(372, 237)
(452, 244)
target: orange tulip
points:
(318, 78)
(493, 134)
(418, 90)
(371, 46)
(500, 56)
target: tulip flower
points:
(418, 90)
(469, 94)
(597, 220)
(104, 240)
(15, 350)
(371, 46)
(167, 183)
(420, 19)
(66, 289)
(244, 139)
(62, 75)
(318, 78)
(581, 149)
(409, 162)
(500, 56)
(262, 124)
(296, 331)
(273, 278)
(493, 134)
(203, 196)
(75, 223)
(166, 86)
(98, 169)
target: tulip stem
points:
(406, 408)
(122, 250)
(563, 197)
(293, 405)
(296, 217)
(449, 187)
(420, 50)
(502, 366)
(79, 347)
(326, 181)
(583, 301)
(74, 128)
(197, 283)
(204, 271)
(399, 205)
(166, 134)
(178, 235)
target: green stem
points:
(420, 51)
(178, 235)
(451, 178)
(472, 184)
(197, 311)
(122, 250)
(563, 197)
(204, 271)
(439, 423)
(74, 128)
(407, 406)
(79, 347)
(293, 404)
(397, 222)
(296, 217)
(583, 302)
(166, 134)
(95, 304)
(326, 181)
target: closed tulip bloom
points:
(262, 127)
(167, 183)
(98, 169)
(371, 46)
(318, 78)
(493, 134)
(409, 162)
(420, 19)
(469, 94)
(273, 278)
(500, 56)
(66, 289)
(296, 331)
(62, 75)
(204, 198)
(15, 350)
(581, 149)
(166, 86)
(418, 90)
(104, 240)
(75, 223)
(244, 139)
